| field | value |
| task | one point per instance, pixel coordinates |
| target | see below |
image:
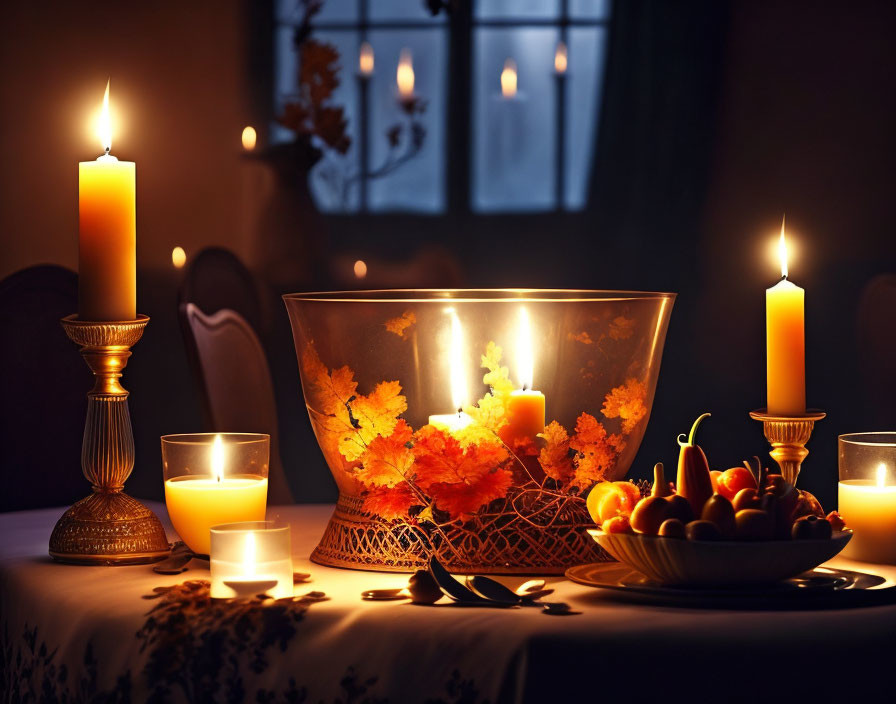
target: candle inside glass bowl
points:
(251, 558)
(867, 495)
(212, 479)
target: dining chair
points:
(234, 379)
(44, 383)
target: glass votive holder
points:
(867, 495)
(251, 558)
(214, 478)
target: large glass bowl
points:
(470, 424)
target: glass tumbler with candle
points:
(867, 495)
(471, 424)
(250, 558)
(212, 479)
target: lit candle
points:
(785, 343)
(251, 558)
(869, 507)
(249, 138)
(560, 58)
(404, 74)
(196, 503)
(365, 61)
(458, 379)
(525, 407)
(508, 79)
(107, 241)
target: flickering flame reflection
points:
(218, 457)
(456, 361)
(508, 79)
(525, 359)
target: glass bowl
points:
(470, 424)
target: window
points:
(529, 150)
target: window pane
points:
(401, 10)
(342, 11)
(514, 160)
(418, 184)
(589, 9)
(508, 9)
(587, 53)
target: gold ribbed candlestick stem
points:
(108, 527)
(788, 436)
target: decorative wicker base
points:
(355, 540)
(108, 529)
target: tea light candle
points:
(196, 502)
(525, 407)
(251, 558)
(869, 507)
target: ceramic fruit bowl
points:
(670, 561)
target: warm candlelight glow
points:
(456, 360)
(782, 251)
(178, 257)
(365, 61)
(249, 553)
(104, 127)
(508, 79)
(249, 138)
(404, 75)
(526, 363)
(882, 475)
(560, 58)
(218, 457)
(360, 269)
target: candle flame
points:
(218, 457)
(249, 137)
(560, 58)
(526, 363)
(104, 128)
(508, 79)
(881, 475)
(365, 60)
(249, 555)
(404, 75)
(178, 257)
(782, 251)
(456, 361)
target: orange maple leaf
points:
(440, 458)
(497, 377)
(387, 459)
(582, 337)
(374, 414)
(401, 325)
(597, 451)
(555, 457)
(490, 413)
(462, 499)
(621, 328)
(390, 503)
(627, 402)
(329, 391)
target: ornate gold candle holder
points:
(108, 527)
(788, 436)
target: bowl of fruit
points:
(738, 527)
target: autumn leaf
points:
(387, 460)
(462, 499)
(441, 458)
(554, 457)
(597, 451)
(582, 337)
(373, 415)
(329, 392)
(390, 503)
(497, 377)
(401, 325)
(627, 402)
(489, 413)
(621, 328)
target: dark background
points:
(718, 117)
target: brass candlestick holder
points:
(788, 436)
(108, 527)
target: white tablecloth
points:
(75, 632)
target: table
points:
(83, 633)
